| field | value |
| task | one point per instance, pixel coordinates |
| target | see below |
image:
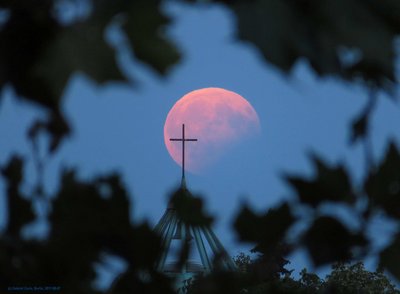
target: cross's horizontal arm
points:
(183, 139)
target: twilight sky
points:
(120, 127)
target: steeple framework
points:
(171, 227)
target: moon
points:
(219, 119)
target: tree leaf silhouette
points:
(389, 258)
(359, 127)
(323, 32)
(189, 208)
(39, 54)
(266, 230)
(23, 38)
(145, 28)
(328, 240)
(19, 209)
(383, 185)
(329, 184)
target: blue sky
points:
(120, 127)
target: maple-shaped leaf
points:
(189, 208)
(331, 183)
(328, 240)
(266, 230)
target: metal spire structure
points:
(171, 227)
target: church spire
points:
(172, 227)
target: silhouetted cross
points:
(183, 140)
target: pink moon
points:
(219, 119)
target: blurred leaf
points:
(30, 27)
(389, 11)
(78, 48)
(360, 124)
(329, 184)
(145, 26)
(38, 55)
(359, 127)
(19, 209)
(100, 218)
(189, 209)
(93, 217)
(389, 258)
(328, 240)
(147, 246)
(28, 32)
(81, 220)
(26, 262)
(88, 219)
(272, 27)
(285, 31)
(266, 230)
(383, 185)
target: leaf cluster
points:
(40, 51)
(87, 220)
(327, 238)
(350, 39)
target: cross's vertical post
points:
(183, 140)
(183, 151)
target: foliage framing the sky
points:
(39, 52)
